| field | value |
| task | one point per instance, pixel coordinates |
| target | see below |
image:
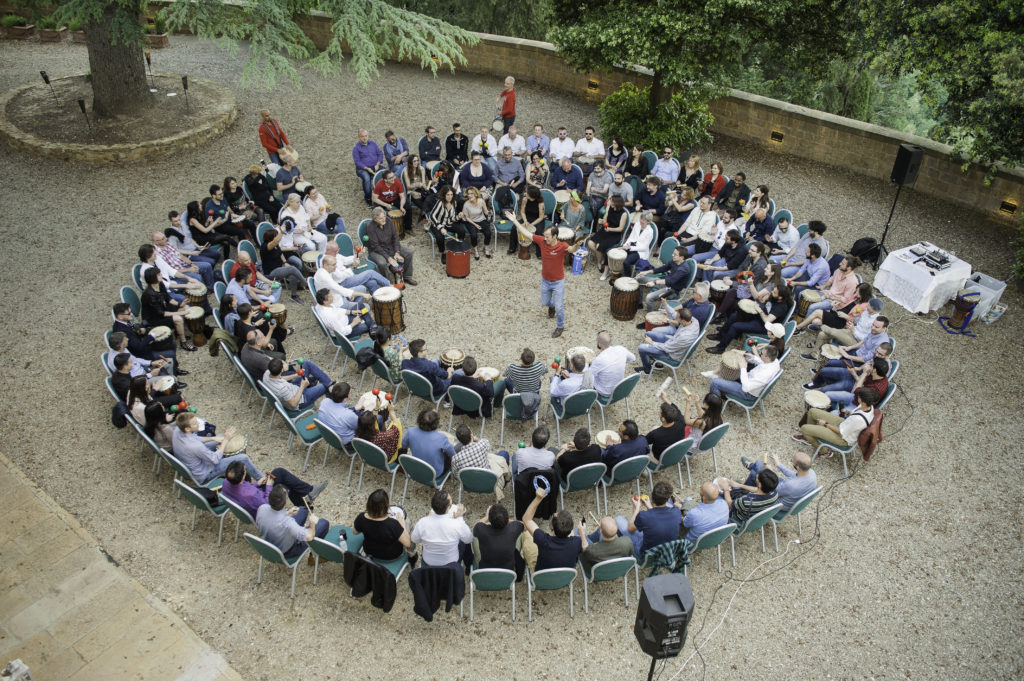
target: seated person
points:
(565, 176)
(633, 444)
(730, 258)
(755, 495)
(444, 218)
(256, 354)
(383, 528)
(784, 238)
(204, 456)
(118, 343)
(774, 311)
(718, 236)
(671, 430)
(444, 535)
(439, 378)
(509, 171)
(159, 309)
(140, 341)
(873, 374)
(495, 539)
(300, 392)
(588, 148)
(875, 344)
(298, 233)
(705, 416)
(343, 322)
(263, 288)
(598, 185)
(427, 443)
(838, 293)
(388, 438)
(667, 288)
(760, 226)
(526, 376)
(699, 308)
(535, 456)
(608, 233)
(477, 174)
(485, 389)
(349, 298)
(318, 208)
(651, 197)
(561, 550)
(652, 526)
(344, 270)
(675, 347)
(794, 484)
(242, 288)
(251, 319)
(824, 426)
(579, 451)
(638, 243)
(336, 414)
(385, 250)
(291, 529)
(711, 513)
(610, 544)
(251, 494)
(389, 194)
(751, 383)
(279, 266)
(794, 258)
(476, 453)
(456, 147)
(699, 226)
(566, 383)
(811, 274)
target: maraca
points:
(192, 410)
(267, 315)
(300, 372)
(366, 238)
(263, 308)
(182, 405)
(299, 361)
(376, 391)
(276, 285)
(174, 408)
(388, 396)
(359, 249)
(522, 444)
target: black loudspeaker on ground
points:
(663, 615)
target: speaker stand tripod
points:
(882, 249)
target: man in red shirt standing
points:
(552, 270)
(272, 137)
(507, 103)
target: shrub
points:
(683, 121)
(74, 25)
(11, 20)
(159, 25)
(47, 23)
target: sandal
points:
(487, 253)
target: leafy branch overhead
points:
(366, 33)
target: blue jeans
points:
(648, 354)
(720, 387)
(313, 392)
(623, 524)
(844, 398)
(788, 272)
(705, 256)
(661, 334)
(711, 275)
(322, 526)
(205, 273)
(371, 280)
(552, 293)
(504, 454)
(222, 467)
(274, 158)
(366, 178)
(823, 305)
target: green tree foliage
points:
(683, 121)
(969, 50)
(520, 18)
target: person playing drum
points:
(677, 276)
(813, 273)
(389, 194)
(352, 298)
(531, 213)
(158, 308)
(609, 233)
(274, 263)
(341, 321)
(638, 243)
(476, 215)
(837, 292)
(444, 219)
(776, 310)
(730, 258)
(574, 215)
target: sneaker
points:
(716, 350)
(746, 462)
(709, 374)
(810, 386)
(317, 490)
(297, 298)
(807, 355)
(410, 281)
(797, 331)
(187, 346)
(557, 332)
(640, 370)
(641, 325)
(800, 438)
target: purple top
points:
(248, 495)
(367, 155)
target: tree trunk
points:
(660, 93)
(119, 86)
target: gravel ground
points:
(913, 575)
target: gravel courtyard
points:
(915, 574)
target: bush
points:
(682, 122)
(11, 20)
(159, 25)
(74, 25)
(47, 23)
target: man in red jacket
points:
(272, 137)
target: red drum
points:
(457, 257)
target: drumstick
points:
(595, 518)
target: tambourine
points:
(744, 276)
(540, 481)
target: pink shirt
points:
(844, 287)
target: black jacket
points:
(365, 576)
(432, 584)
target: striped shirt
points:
(526, 379)
(749, 505)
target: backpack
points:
(870, 437)
(505, 200)
(366, 357)
(866, 249)
(119, 415)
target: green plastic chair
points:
(652, 158)
(752, 404)
(503, 225)
(361, 229)
(802, 503)
(246, 246)
(752, 524)
(200, 503)
(419, 386)
(333, 441)
(551, 579)
(131, 296)
(890, 391)
(843, 450)
(511, 407)
(673, 365)
(577, 404)
(803, 229)
(241, 515)
(476, 481)
(346, 247)
(219, 289)
(225, 269)
(422, 472)
(371, 455)
(668, 246)
(261, 230)
(672, 455)
(467, 400)
(396, 567)
(550, 203)
(707, 442)
(137, 276)
(104, 359)
(771, 207)
(254, 387)
(182, 472)
(380, 370)
(626, 471)
(634, 182)
(622, 390)
(492, 579)
(298, 425)
(782, 213)
(609, 570)
(329, 547)
(272, 554)
(713, 539)
(580, 478)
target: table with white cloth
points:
(906, 279)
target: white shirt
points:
(335, 319)
(720, 232)
(531, 457)
(341, 268)
(760, 376)
(167, 272)
(561, 148)
(864, 323)
(594, 147)
(609, 367)
(492, 147)
(323, 279)
(786, 240)
(700, 224)
(440, 536)
(315, 210)
(518, 145)
(851, 427)
(639, 240)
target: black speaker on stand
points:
(904, 171)
(662, 616)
